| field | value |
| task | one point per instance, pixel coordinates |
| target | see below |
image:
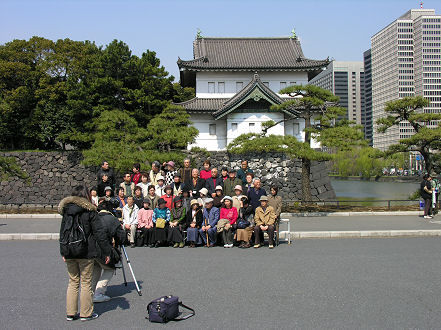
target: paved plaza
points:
(312, 284)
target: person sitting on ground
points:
(231, 182)
(105, 169)
(194, 223)
(237, 198)
(426, 194)
(206, 171)
(138, 197)
(275, 201)
(264, 218)
(116, 236)
(210, 219)
(152, 197)
(127, 185)
(155, 173)
(245, 224)
(243, 171)
(94, 196)
(130, 219)
(170, 171)
(177, 223)
(161, 215)
(218, 197)
(224, 173)
(177, 185)
(144, 184)
(108, 193)
(229, 213)
(186, 199)
(196, 183)
(104, 182)
(212, 182)
(136, 176)
(80, 267)
(168, 197)
(249, 183)
(255, 193)
(185, 171)
(160, 187)
(145, 224)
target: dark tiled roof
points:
(203, 105)
(249, 54)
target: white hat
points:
(218, 188)
(227, 197)
(204, 191)
(208, 200)
(160, 177)
(238, 187)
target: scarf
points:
(131, 210)
(177, 212)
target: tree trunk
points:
(306, 181)
(427, 160)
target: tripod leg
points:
(124, 273)
(131, 271)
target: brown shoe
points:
(246, 246)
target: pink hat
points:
(238, 187)
(171, 163)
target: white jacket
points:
(130, 219)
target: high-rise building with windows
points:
(406, 61)
(345, 80)
(366, 115)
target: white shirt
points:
(160, 190)
(130, 219)
(144, 187)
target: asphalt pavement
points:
(312, 284)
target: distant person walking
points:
(426, 194)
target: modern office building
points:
(366, 113)
(406, 61)
(345, 80)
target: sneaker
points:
(271, 246)
(230, 245)
(427, 217)
(89, 318)
(181, 245)
(226, 245)
(246, 246)
(176, 245)
(256, 246)
(72, 317)
(97, 298)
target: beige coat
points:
(276, 203)
(264, 218)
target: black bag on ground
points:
(73, 240)
(166, 308)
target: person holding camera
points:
(116, 236)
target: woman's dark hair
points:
(118, 190)
(93, 188)
(137, 188)
(151, 186)
(207, 161)
(104, 205)
(250, 174)
(275, 188)
(426, 176)
(137, 166)
(81, 191)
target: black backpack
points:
(73, 240)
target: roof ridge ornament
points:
(199, 34)
(293, 34)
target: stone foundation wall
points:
(53, 174)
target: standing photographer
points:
(116, 236)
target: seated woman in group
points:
(177, 223)
(245, 224)
(217, 199)
(228, 212)
(161, 218)
(145, 224)
(194, 223)
(138, 198)
(152, 197)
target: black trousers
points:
(227, 236)
(258, 233)
(427, 206)
(146, 237)
(175, 234)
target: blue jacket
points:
(161, 213)
(212, 216)
(254, 197)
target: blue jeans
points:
(211, 235)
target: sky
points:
(340, 29)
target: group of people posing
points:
(171, 207)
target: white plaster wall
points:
(230, 79)
(243, 121)
(204, 139)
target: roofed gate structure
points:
(237, 80)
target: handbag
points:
(160, 223)
(166, 308)
(242, 223)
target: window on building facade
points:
(239, 86)
(211, 87)
(212, 129)
(221, 87)
(234, 126)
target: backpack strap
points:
(186, 316)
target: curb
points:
(349, 214)
(33, 216)
(294, 235)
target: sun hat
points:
(218, 188)
(160, 177)
(227, 197)
(263, 198)
(204, 191)
(238, 187)
(107, 188)
(171, 163)
(208, 200)
(194, 201)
